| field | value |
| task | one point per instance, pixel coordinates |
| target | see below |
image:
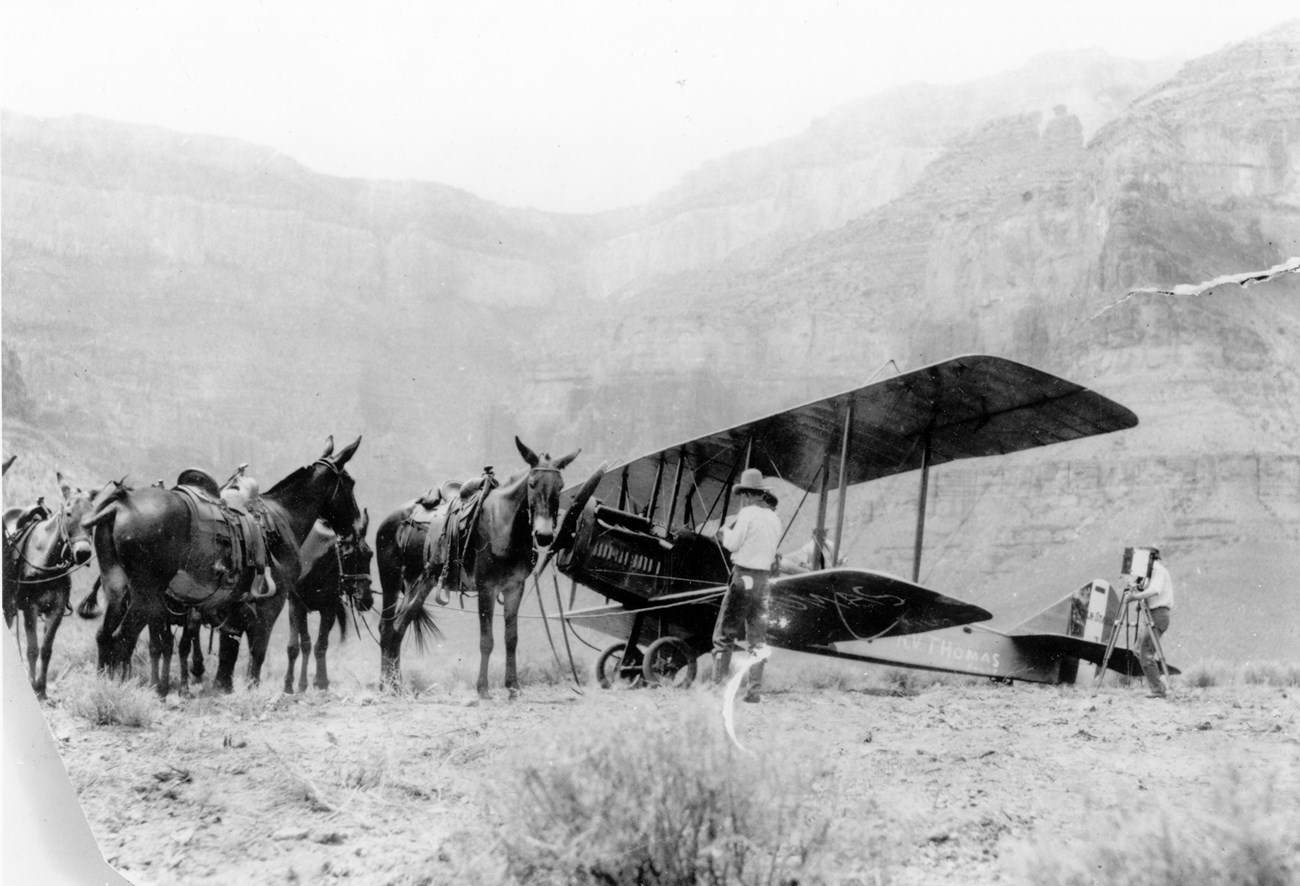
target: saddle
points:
(18, 519)
(448, 519)
(228, 543)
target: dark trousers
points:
(1147, 648)
(743, 615)
(744, 611)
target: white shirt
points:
(753, 538)
(1160, 590)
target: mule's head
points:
(545, 482)
(339, 508)
(354, 565)
(76, 506)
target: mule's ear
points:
(64, 486)
(9, 461)
(564, 462)
(528, 454)
(365, 520)
(329, 447)
(346, 453)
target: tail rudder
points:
(1087, 614)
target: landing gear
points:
(614, 667)
(669, 661)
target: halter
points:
(528, 504)
(63, 544)
(352, 580)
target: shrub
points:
(1270, 673)
(1247, 838)
(1207, 674)
(669, 802)
(106, 701)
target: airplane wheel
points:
(669, 662)
(612, 667)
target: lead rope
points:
(546, 623)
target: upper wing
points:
(838, 605)
(967, 407)
(813, 609)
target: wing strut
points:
(844, 480)
(819, 549)
(920, 511)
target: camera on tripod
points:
(1138, 566)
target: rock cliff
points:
(177, 299)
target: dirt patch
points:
(952, 784)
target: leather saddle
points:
(20, 518)
(228, 546)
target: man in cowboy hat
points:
(752, 539)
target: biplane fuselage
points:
(643, 533)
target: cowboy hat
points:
(751, 480)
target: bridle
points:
(528, 503)
(351, 581)
(65, 565)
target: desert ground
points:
(899, 777)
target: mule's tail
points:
(89, 607)
(105, 505)
(418, 618)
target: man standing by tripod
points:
(1158, 591)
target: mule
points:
(518, 519)
(143, 540)
(39, 560)
(336, 574)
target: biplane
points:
(642, 532)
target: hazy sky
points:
(576, 105)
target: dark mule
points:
(336, 574)
(42, 550)
(517, 518)
(143, 539)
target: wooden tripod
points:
(1121, 626)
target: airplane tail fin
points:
(1087, 614)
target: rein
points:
(64, 561)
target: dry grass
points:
(668, 801)
(1250, 837)
(104, 701)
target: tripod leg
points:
(1120, 620)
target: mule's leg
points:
(33, 647)
(227, 655)
(389, 561)
(513, 598)
(304, 648)
(259, 631)
(125, 638)
(327, 617)
(486, 603)
(297, 627)
(194, 628)
(52, 623)
(114, 583)
(161, 643)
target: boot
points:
(721, 667)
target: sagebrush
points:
(658, 802)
